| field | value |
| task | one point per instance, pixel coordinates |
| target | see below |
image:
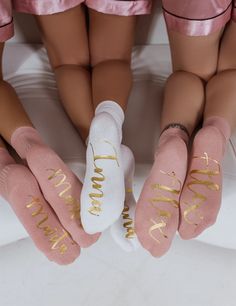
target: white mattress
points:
(26, 68)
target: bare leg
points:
(194, 62)
(201, 196)
(111, 41)
(221, 90)
(68, 51)
(12, 114)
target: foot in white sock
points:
(122, 230)
(103, 193)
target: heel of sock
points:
(24, 138)
(221, 124)
(209, 135)
(113, 109)
(105, 126)
(173, 132)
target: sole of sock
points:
(62, 189)
(122, 231)
(157, 213)
(201, 197)
(103, 193)
(22, 192)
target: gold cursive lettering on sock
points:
(175, 189)
(60, 182)
(97, 180)
(157, 226)
(199, 198)
(128, 223)
(56, 240)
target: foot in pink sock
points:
(59, 185)
(157, 213)
(201, 196)
(19, 187)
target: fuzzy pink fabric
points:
(60, 187)
(19, 187)
(201, 196)
(157, 213)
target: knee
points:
(180, 77)
(114, 64)
(202, 73)
(213, 82)
(97, 60)
(223, 79)
(226, 64)
(206, 75)
(73, 61)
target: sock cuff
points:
(5, 158)
(173, 131)
(176, 125)
(113, 109)
(220, 123)
(23, 138)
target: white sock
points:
(122, 230)
(103, 193)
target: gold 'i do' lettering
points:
(60, 181)
(199, 198)
(56, 240)
(97, 180)
(128, 223)
(160, 197)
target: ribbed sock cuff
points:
(173, 131)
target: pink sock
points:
(201, 196)
(157, 213)
(19, 187)
(59, 185)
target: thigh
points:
(65, 37)
(227, 58)
(111, 37)
(195, 54)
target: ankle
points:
(175, 131)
